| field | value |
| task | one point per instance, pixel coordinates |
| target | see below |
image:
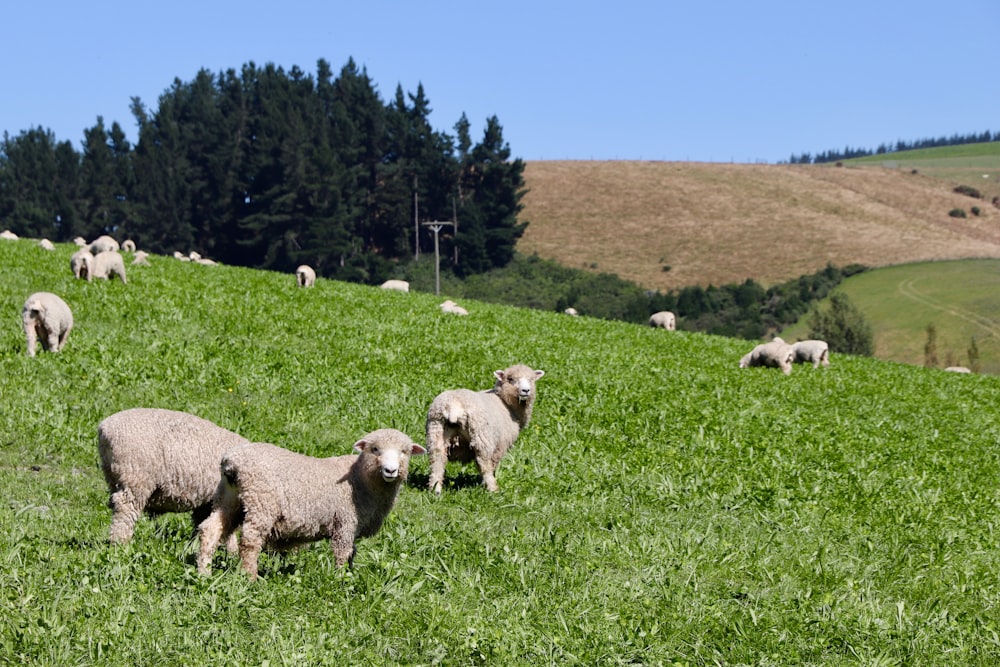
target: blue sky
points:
(690, 81)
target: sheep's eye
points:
(374, 450)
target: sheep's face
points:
(389, 451)
(520, 380)
(33, 312)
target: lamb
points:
(82, 263)
(47, 244)
(47, 318)
(663, 320)
(811, 351)
(109, 263)
(157, 461)
(450, 306)
(181, 256)
(775, 354)
(465, 425)
(103, 244)
(141, 258)
(958, 369)
(128, 245)
(80, 241)
(398, 285)
(9, 235)
(281, 499)
(571, 311)
(305, 276)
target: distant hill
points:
(668, 225)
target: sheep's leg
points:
(342, 544)
(251, 544)
(62, 340)
(209, 534)
(437, 452)
(126, 509)
(29, 334)
(52, 341)
(487, 468)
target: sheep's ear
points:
(539, 374)
(417, 450)
(498, 375)
(360, 445)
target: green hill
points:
(664, 507)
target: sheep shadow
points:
(456, 482)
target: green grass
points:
(961, 299)
(664, 507)
(975, 165)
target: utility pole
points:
(436, 227)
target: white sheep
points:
(9, 235)
(815, 352)
(663, 320)
(48, 318)
(958, 369)
(181, 256)
(47, 244)
(466, 425)
(281, 499)
(128, 245)
(398, 285)
(82, 263)
(80, 241)
(571, 311)
(205, 261)
(156, 461)
(109, 263)
(305, 276)
(103, 244)
(450, 306)
(194, 256)
(141, 258)
(775, 354)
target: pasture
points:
(664, 507)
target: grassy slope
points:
(664, 506)
(718, 223)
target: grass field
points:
(664, 507)
(960, 299)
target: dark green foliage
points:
(930, 348)
(974, 364)
(968, 190)
(975, 210)
(957, 213)
(843, 327)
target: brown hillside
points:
(721, 223)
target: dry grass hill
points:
(715, 223)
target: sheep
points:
(109, 263)
(128, 245)
(663, 320)
(958, 369)
(398, 285)
(181, 256)
(9, 235)
(80, 241)
(465, 425)
(281, 499)
(571, 311)
(450, 306)
(811, 351)
(141, 258)
(205, 261)
(305, 276)
(776, 354)
(48, 318)
(82, 263)
(156, 461)
(103, 244)
(194, 256)
(46, 244)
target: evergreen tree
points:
(930, 348)
(842, 326)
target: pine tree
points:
(843, 327)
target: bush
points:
(975, 210)
(843, 327)
(957, 213)
(968, 191)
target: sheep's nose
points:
(390, 472)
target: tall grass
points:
(664, 507)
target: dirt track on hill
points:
(717, 223)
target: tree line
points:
(268, 168)
(848, 152)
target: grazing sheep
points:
(776, 354)
(109, 263)
(815, 352)
(305, 276)
(80, 241)
(9, 235)
(281, 499)
(141, 258)
(194, 256)
(663, 320)
(450, 306)
(205, 261)
(181, 256)
(157, 461)
(571, 311)
(465, 425)
(46, 317)
(103, 244)
(82, 263)
(398, 285)
(128, 245)
(47, 244)
(958, 369)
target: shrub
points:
(968, 191)
(843, 327)
(957, 213)
(975, 210)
